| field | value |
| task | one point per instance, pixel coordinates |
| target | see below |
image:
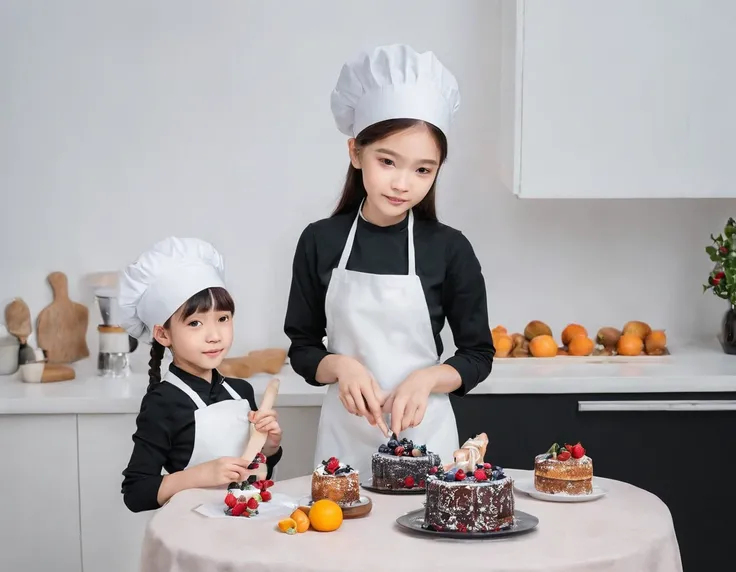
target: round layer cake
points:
(402, 464)
(479, 502)
(337, 482)
(564, 470)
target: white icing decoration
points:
(322, 470)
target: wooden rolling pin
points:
(257, 439)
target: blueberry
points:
(393, 443)
(384, 449)
(449, 477)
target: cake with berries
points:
(402, 465)
(564, 470)
(243, 499)
(337, 482)
(469, 495)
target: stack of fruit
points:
(636, 338)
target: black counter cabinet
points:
(684, 453)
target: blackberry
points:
(384, 449)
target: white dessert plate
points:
(527, 486)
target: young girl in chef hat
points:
(193, 422)
(382, 274)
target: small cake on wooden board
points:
(337, 482)
(564, 470)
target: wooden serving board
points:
(61, 327)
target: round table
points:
(628, 530)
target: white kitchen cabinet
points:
(39, 493)
(111, 534)
(617, 98)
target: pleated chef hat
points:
(394, 82)
(154, 287)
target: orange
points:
(656, 343)
(325, 515)
(499, 330)
(543, 346)
(287, 525)
(630, 345)
(503, 344)
(571, 331)
(305, 509)
(301, 519)
(581, 346)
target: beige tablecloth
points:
(629, 530)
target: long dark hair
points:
(218, 299)
(353, 191)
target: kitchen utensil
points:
(259, 361)
(18, 320)
(62, 326)
(258, 439)
(9, 352)
(114, 342)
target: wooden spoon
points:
(258, 439)
(18, 320)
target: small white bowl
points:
(32, 372)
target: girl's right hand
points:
(360, 393)
(222, 471)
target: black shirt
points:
(165, 433)
(447, 267)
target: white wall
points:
(120, 125)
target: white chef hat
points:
(153, 288)
(394, 82)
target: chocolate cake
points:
(564, 470)
(469, 495)
(337, 482)
(402, 465)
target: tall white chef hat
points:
(154, 287)
(394, 82)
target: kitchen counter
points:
(695, 368)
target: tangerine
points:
(571, 331)
(581, 346)
(503, 344)
(325, 515)
(287, 525)
(301, 520)
(656, 343)
(543, 346)
(629, 345)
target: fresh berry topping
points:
(487, 466)
(398, 451)
(265, 496)
(269, 483)
(433, 470)
(416, 453)
(460, 475)
(260, 458)
(421, 484)
(230, 500)
(461, 527)
(239, 508)
(384, 449)
(252, 479)
(253, 466)
(243, 498)
(450, 476)
(577, 451)
(563, 455)
(252, 503)
(332, 465)
(480, 475)
(393, 443)
(409, 482)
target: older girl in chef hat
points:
(381, 275)
(193, 422)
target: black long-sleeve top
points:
(164, 437)
(447, 267)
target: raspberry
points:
(409, 482)
(487, 466)
(432, 470)
(460, 475)
(399, 451)
(480, 475)
(563, 455)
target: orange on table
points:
(572, 331)
(581, 346)
(301, 519)
(543, 346)
(287, 525)
(325, 515)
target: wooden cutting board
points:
(61, 327)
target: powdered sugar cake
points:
(564, 470)
(469, 495)
(337, 482)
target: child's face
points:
(398, 172)
(201, 341)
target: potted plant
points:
(722, 280)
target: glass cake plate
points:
(527, 486)
(414, 522)
(368, 485)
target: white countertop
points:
(694, 368)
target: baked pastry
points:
(337, 482)
(402, 465)
(469, 495)
(564, 470)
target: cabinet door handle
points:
(663, 405)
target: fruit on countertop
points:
(581, 346)
(655, 343)
(301, 519)
(636, 328)
(561, 351)
(629, 345)
(543, 346)
(325, 515)
(536, 328)
(572, 331)
(608, 337)
(501, 341)
(287, 525)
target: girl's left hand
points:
(408, 402)
(266, 421)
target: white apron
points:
(221, 429)
(383, 322)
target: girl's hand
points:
(219, 472)
(360, 393)
(266, 421)
(408, 402)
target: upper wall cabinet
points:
(618, 98)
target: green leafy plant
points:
(722, 279)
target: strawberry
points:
(239, 509)
(487, 466)
(230, 500)
(480, 475)
(460, 475)
(253, 466)
(577, 451)
(332, 465)
(563, 456)
(398, 451)
(265, 496)
(409, 482)
(433, 470)
(252, 503)
(461, 527)
(421, 484)
(723, 250)
(260, 458)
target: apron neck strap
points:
(176, 382)
(234, 394)
(412, 270)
